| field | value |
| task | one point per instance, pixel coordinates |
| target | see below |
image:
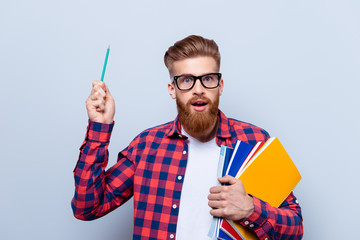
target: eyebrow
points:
(188, 74)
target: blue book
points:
(224, 159)
(227, 156)
(241, 151)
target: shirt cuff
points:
(99, 132)
(258, 220)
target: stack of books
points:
(267, 172)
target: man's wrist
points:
(251, 205)
(100, 132)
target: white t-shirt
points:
(194, 219)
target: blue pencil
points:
(105, 63)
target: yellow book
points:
(270, 176)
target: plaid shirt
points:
(152, 169)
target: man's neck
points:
(206, 135)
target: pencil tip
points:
(109, 47)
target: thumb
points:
(227, 179)
(107, 91)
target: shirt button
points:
(251, 225)
(184, 152)
(174, 206)
(297, 201)
(246, 222)
(172, 236)
(179, 178)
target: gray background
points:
(291, 67)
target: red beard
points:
(197, 122)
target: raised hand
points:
(100, 104)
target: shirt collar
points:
(223, 131)
(175, 130)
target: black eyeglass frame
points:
(175, 78)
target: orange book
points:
(270, 176)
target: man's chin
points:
(199, 121)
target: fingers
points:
(97, 98)
(216, 189)
(223, 180)
(221, 212)
(217, 204)
(98, 89)
(97, 93)
(99, 83)
(99, 105)
(216, 196)
(220, 208)
(230, 200)
(96, 104)
(228, 179)
(106, 89)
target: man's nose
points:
(198, 88)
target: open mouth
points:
(199, 103)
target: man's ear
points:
(171, 89)
(221, 86)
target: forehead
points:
(194, 66)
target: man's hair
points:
(192, 46)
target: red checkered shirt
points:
(152, 169)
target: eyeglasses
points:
(186, 82)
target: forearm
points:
(89, 181)
(270, 222)
(98, 192)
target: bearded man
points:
(170, 169)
